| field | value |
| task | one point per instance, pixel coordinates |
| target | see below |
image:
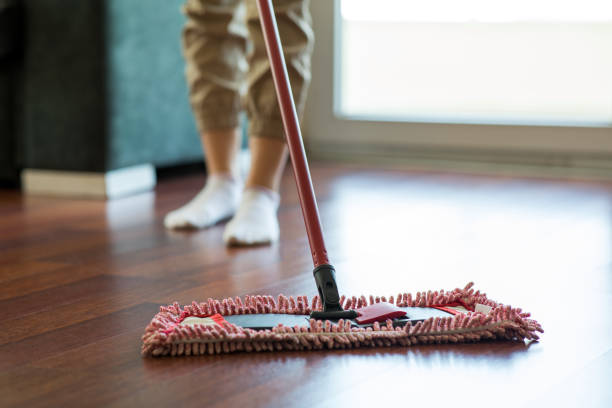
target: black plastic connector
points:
(325, 278)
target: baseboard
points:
(481, 162)
(103, 185)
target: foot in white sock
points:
(217, 201)
(255, 222)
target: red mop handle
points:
(308, 201)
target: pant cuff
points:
(271, 128)
(221, 121)
(225, 114)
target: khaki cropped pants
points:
(227, 64)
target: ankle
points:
(223, 177)
(260, 185)
(221, 148)
(251, 191)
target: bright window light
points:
(476, 61)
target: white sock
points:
(255, 221)
(217, 201)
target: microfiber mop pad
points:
(470, 317)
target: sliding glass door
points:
(477, 77)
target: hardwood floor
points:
(80, 279)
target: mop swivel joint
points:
(325, 278)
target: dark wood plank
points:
(80, 279)
(75, 336)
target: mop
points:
(327, 321)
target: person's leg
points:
(214, 45)
(256, 221)
(268, 158)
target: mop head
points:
(202, 328)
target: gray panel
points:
(270, 320)
(64, 105)
(104, 85)
(150, 117)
